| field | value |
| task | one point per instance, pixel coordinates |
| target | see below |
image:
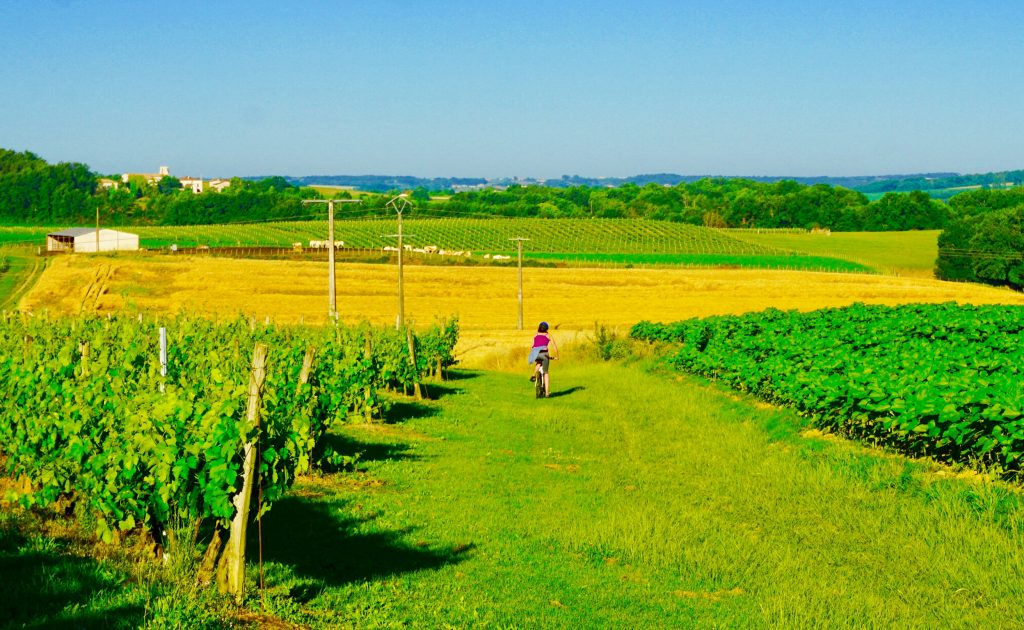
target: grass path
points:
(633, 500)
(23, 269)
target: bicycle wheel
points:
(539, 385)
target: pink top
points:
(541, 341)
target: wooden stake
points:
(418, 390)
(84, 349)
(307, 368)
(368, 356)
(231, 575)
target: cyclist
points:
(540, 355)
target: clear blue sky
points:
(539, 89)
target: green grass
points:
(629, 499)
(53, 579)
(906, 253)
(767, 261)
(19, 267)
(27, 236)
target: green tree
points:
(997, 248)
(168, 184)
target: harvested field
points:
(483, 298)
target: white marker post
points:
(163, 357)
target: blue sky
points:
(532, 89)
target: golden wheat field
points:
(484, 298)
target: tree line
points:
(33, 192)
(939, 181)
(984, 238)
(717, 202)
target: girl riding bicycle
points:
(540, 356)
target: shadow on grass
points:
(566, 392)
(367, 451)
(407, 410)
(318, 542)
(49, 590)
(460, 375)
(437, 390)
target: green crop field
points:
(904, 253)
(478, 235)
(941, 380)
(793, 261)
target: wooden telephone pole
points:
(519, 243)
(399, 204)
(332, 293)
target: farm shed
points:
(86, 240)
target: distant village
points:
(195, 184)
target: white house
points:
(82, 240)
(195, 184)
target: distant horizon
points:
(295, 175)
(643, 174)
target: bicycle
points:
(539, 381)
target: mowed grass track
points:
(19, 269)
(631, 500)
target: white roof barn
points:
(87, 240)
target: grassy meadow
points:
(901, 253)
(629, 500)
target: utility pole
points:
(332, 293)
(399, 204)
(97, 228)
(519, 243)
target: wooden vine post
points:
(307, 369)
(231, 573)
(307, 366)
(367, 393)
(83, 349)
(417, 388)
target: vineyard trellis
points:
(485, 235)
(567, 241)
(96, 421)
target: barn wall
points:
(110, 240)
